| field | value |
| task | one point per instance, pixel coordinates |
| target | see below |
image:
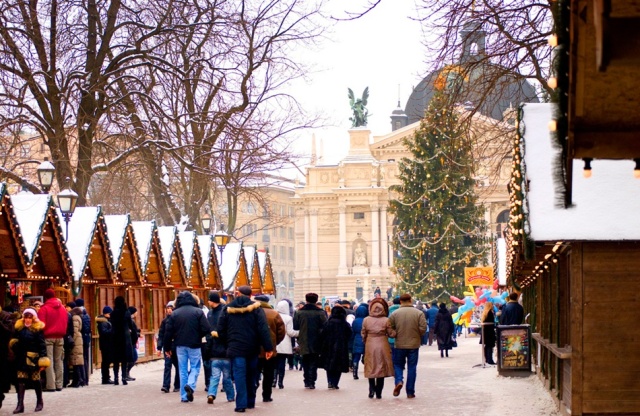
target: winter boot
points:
(379, 387)
(115, 377)
(441, 353)
(20, 407)
(372, 387)
(39, 403)
(355, 371)
(488, 355)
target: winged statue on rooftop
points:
(360, 112)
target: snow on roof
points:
(230, 264)
(143, 230)
(116, 231)
(187, 245)
(606, 205)
(249, 252)
(205, 243)
(167, 237)
(82, 228)
(262, 262)
(31, 213)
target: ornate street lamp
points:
(222, 239)
(205, 221)
(45, 174)
(358, 290)
(67, 200)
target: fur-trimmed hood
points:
(243, 304)
(102, 319)
(35, 326)
(76, 311)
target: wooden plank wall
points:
(611, 301)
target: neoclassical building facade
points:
(343, 229)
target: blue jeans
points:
(189, 366)
(400, 356)
(244, 371)
(221, 367)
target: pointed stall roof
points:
(149, 252)
(172, 257)
(253, 269)
(603, 206)
(266, 271)
(41, 233)
(211, 271)
(14, 258)
(191, 258)
(123, 248)
(90, 254)
(233, 267)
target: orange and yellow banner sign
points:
(478, 276)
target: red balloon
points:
(455, 299)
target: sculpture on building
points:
(360, 112)
(359, 256)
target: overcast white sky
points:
(381, 50)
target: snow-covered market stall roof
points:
(171, 257)
(149, 253)
(123, 248)
(191, 258)
(253, 269)
(209, 261)
(88, 245)
(14, 254)
(266, 271)
(233, 267)
(41, 234)
(604, 206)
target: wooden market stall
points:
(47, 260)
(579, 272)
(233, 267)
(172, 259)
(91, 260)
(13, 257)
(266, 272)
(153, 272)
(253, 269)
(193, 265)
(126, 265)
(210, 268)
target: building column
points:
(315, 271)
(384, 246)
(342, 266)
(307, 240)
(375, 239)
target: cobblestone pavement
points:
(445, 386)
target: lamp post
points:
(205, 221)
(358, 289)
(67, 200)
(222, 239)
(45, 175)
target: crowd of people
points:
(243, 343)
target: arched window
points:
(502, 221)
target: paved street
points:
(445, 386)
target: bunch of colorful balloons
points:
(474, 298)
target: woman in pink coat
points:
(376, 330)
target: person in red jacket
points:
(54, 316)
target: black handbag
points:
(68, 341)
(454, 342)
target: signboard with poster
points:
(478, 276)
(514, 348)
(141, 346)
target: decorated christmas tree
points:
(439, 227)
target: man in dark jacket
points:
(277, 332)
(185, 329)
(309, 320)
(243, 329)
(7, 322)
(220, 364)
(105, 341)
(512, 312)
(169, 359)
(86, 339)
